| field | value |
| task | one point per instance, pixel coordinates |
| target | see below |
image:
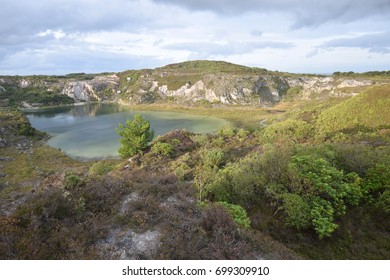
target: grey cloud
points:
(67, 60)
(24, 18)
(376, 43)
(230, 48)
(22, 21)
(305, 12)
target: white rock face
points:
(154, 86)
(88, 90)
(189, 92)
(226, 88)
(80, 91)
(211, 96)
(24, 83)
(354, 83)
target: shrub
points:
(319, 192)
(315, 176)
(322, 218)
(377, 187)
(239, 215)
(236, 182)
(288, 131)
(217, 217)
(181, 171)
(297, 210)
(383, 203)
(26, 129)
(72, 181)
(227, 132)
(213, 158)
(218, 142)
(378, 178)
(100, 168)
(135, 136)
(355, 158)
(162, 149)
(201, 139)
(242, 133)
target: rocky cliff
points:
(190, 82)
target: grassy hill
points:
(206, 66)
(367, 111)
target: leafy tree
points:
(135, 136)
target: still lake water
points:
(87, 132)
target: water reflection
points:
(88, 131)
(77, 111)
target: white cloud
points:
(57, 34)
(95, 36)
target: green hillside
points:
(206, 66)
(367, 111)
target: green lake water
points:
(87, 132)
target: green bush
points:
(377, 187)
(26, 130)
(324, 192)
(383, 203)
(213, 158)
(72, 181)
(242, 133)
(227, 132)
(297, 210)
(378, 178)
(315, 176)
(135, 136)
(237, 182)
(210, 162)
(201, 139)
(322, 215)
(288, 131)
(100, 168)
(181, 171)
(162, 149)
(239, 214)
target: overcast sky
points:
(300, 36)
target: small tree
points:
(135, 136)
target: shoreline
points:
(241, 116)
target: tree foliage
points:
(318, 193)
(135, 136)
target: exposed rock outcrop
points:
(80, 91)
(93, 90)
(252, 89)
(190, 82)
